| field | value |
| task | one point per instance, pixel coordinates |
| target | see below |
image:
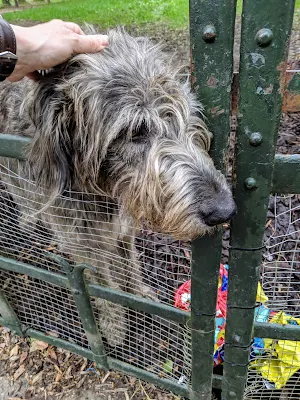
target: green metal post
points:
(9, 316)
(266, 28)
(80, 293)
(212, 35)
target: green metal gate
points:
(258, 171)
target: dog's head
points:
(124, 124)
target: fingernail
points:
(103, 39)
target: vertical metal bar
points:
(9, 316)
(266, 28)
(212, 36)
(81, 296)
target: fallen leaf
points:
(37, 345)
(52, 354)
(23, 357)
(85, 362)
(187, 253)
(132, 380)
(58, 377)
(168, 366)
(14, 351)
(68, 373)
(19, 372)
(37, 377)
(58, 369)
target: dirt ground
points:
(30, 369)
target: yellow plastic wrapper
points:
(285, 355)
(260, 296)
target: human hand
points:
(46, 45)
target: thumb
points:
(90, 43)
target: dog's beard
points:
(171, 189)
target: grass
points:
(110, 12)
(113, 12)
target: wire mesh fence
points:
(145, 340)
(274, 366)
(161, 265)
(43, 306)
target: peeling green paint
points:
(212, 70)
(259, 111)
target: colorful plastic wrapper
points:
(275, 360)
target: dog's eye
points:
(140, 133)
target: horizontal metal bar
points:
(10, 264)
(139, 303)
(276, 331)
(60, 343)
(286, 174)
(167, 384)
(13, 146)
(115, 296)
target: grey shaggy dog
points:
(120, 126)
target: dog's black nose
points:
(221, 213)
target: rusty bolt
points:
(255, 139)
(209, 34)
(250, 183)
(264, 37)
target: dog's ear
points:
(50, 152)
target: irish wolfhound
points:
(117, 138)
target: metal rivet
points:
(264, 37)
(209, 34)
(250, 183)
(232, 394)
(255, 139)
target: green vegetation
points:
(109, 12)
(112, 12)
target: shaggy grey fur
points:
(119, 125)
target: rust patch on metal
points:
(212, 82)
(192, 66)
(281, 66)
(235, 93)
(265, 91)
(217, 111)
(291, 99)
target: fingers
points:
(74, 27)
(16, 76)
(90, 43)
